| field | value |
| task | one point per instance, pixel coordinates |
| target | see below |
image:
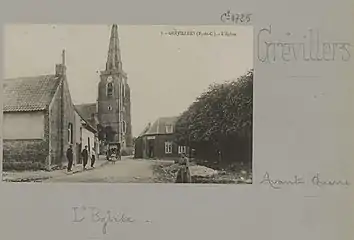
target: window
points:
(70, 133)
(169, 128)
(110, 108)
(123, 90)
(182, 149)
(124, 127)
(109, 89)
(168, 147)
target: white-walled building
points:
(87, 133)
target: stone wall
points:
(25, 154)
(68, 117)
(55, 129)
(61, 113)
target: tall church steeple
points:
(114, 60)
(113, 102)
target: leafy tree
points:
(220, 119)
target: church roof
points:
(88, 113)
(86, 110)
(85, 122)
(25, 94)
(159, 126)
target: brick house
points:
(38, 121)
(158, 140)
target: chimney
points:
(63, 57)
(60, 69)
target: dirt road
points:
(124, 171)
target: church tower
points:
(113, 103)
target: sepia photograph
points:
(128, 104)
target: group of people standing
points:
(85, 154)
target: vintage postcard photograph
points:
(128, 104)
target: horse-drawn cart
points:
(113, 151)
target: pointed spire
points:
(114, 58)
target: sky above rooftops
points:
(165, 73)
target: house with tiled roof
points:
(38, 121)
(157, 140)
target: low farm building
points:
(38, 121)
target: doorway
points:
(89, 144)
(151, 148)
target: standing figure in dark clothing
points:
(85, 155)
(184, 174)
(70, 157)
(93, 157)
(119, 151)
(108, 154)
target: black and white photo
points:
(128, 104)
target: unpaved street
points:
(129, 170)
(124, 171)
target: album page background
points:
(302, 126)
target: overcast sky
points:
(165, 73)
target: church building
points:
(112, 111)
